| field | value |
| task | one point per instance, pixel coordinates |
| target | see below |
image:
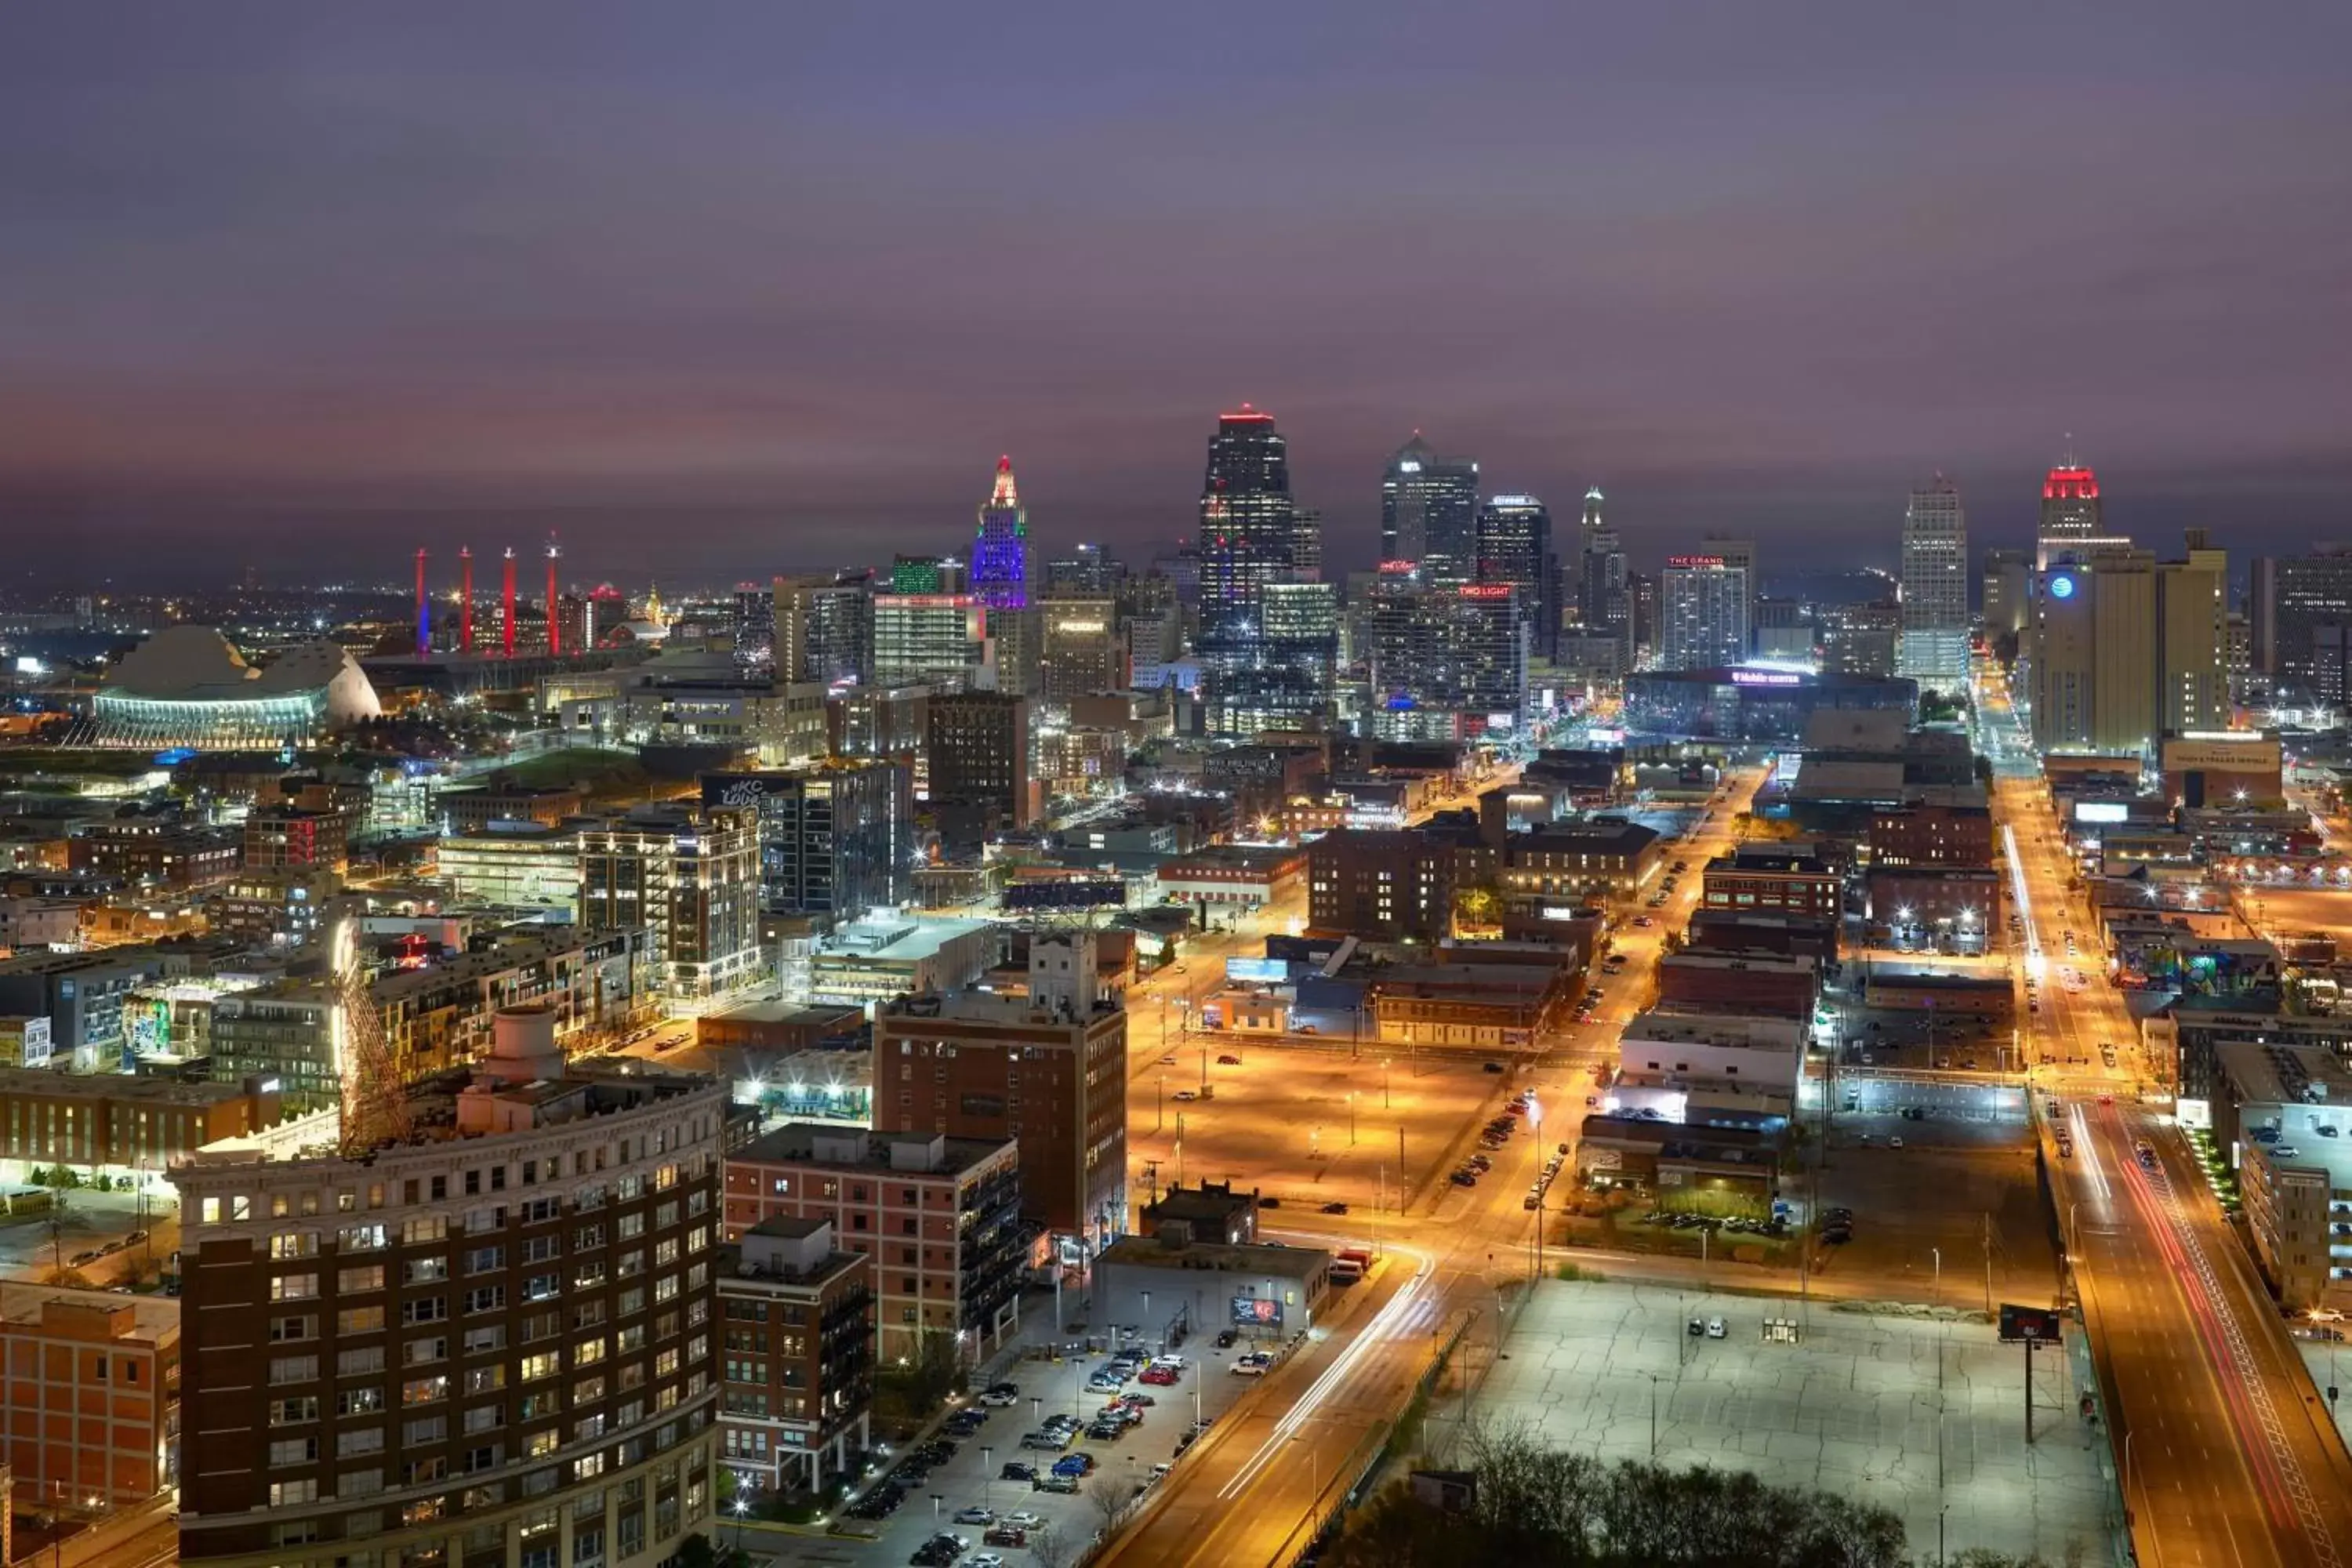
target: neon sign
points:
(1766, 678)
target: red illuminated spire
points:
(2071, 482)
(1248, 414)
(1006, 495)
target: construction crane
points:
(375, 1101)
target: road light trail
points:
(2022, 897)
(1389, 1321)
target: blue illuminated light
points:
(2062, 587)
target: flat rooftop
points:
(2287, 1074)
(16, 1081)
(1233, 1257)
(796, 1143)
(902, 940)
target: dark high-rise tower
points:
(999, 551)
(1247, 519)
(1429, 513)
(1515, 547)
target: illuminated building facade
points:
(1935, 643)
(1703, 606)
(1429, 513)
(999, 551)
(1247, 519)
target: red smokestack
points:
(466, 597)
(507, 630)
(424, 612)
(554, 630)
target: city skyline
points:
(700, 301)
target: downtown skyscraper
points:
(1000, 550)
(2073, 519)
(1247, 521)
(1429, 514)
(1935, 647)
(1515, 547)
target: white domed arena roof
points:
(197, 663)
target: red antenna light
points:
(507, 630)
(466, 597)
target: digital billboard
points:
(2108, 811)
(1257, 1312)
(1261, 970)
(2038, 1325)
(1065, 895)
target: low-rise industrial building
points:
(92, 1387)
(1171, 1285)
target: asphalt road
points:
(1248, 1496)
(2226, 1458)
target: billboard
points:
(1257, 1312)
(1065, 895)
(2102, 811)
(1262, 971)
(2032, 1325)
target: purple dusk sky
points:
(726, 290)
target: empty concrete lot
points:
(1859, 1407)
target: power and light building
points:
(1934, 651)
(999, 549)
(1703, 613)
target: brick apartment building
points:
(796, 1317)
(1924, 833)
(289, 838)
(1048, 1069)
(939, 1218)
(1393, 883)
(108, 1122)
(156, 853)
(490, 1340)
(1757, 878)
(1754, 981)
(92, 1382)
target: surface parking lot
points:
(972, 1478)
(1861, 1405)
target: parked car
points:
(1714, 1328)
(1253, 1365)
(1225, 1339)
(1014, 1470)
(1335, 1207)
(1229, 1060)
(1184, 1096)
(975, 1515)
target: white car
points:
(1023, 1519)
(1253, 1365)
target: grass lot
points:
(606, 774)
(26, 762)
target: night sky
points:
(730, 289)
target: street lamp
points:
(1384, 1083)
(1352, 1119)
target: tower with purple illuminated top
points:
(1000, 551)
